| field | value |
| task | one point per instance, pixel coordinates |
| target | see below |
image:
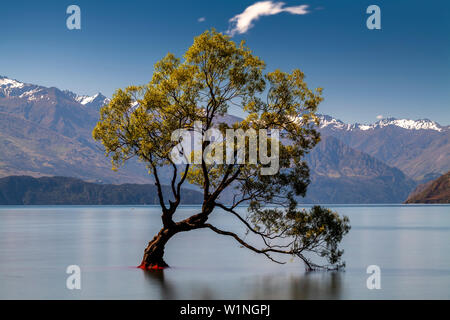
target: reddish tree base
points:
(151, 267)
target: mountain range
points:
(47, 132)
(421, 148)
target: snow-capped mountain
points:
(420, 148)
(96, 101)
(47, 130)
(11, 88)
(328, 122)
(422, 124)
(14, 88)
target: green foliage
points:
(214, 74)
(318, 230)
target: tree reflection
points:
(310, 285)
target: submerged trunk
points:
(154, 253)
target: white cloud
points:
(380, 116)
(242, 22)
(201, 19)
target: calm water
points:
(411, 244)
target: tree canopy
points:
(214, 75)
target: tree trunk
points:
(154, 253)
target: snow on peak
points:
(97, 100)
(13, 88)
(423, 124)
(85, 99)
(10, 83)
(332, 123)
(10, 88)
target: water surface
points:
(411, 245)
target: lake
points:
(410, 244)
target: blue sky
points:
(402, 70)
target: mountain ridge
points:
(340, 174)
(422, 152)
(327, 121)
(50, 135)
(14, 88)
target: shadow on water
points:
(326, 285)
(312, 285)
(156, 278)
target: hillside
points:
(48, 132)
(421, 148)
(436, 191)
(24, 190)
(340, 174)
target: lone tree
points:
(216, 73)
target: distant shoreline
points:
(65, 191)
